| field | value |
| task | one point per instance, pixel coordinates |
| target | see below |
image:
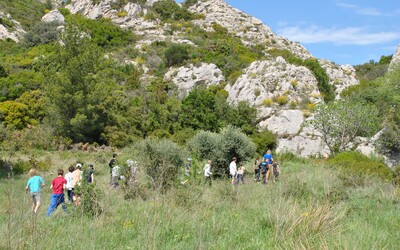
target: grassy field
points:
(311, 207)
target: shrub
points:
(268, 102)
(263, 140)
(355, 163)
(90, 202)
(282, 100)
(170, 10)
(161, 160)
(176, 54)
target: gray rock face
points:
(15, 32)
(340, 76)
(284, 123)
(186, 78)
(54, 16)
(307, 143)
(395, 62)
(264, 82)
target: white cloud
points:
(340, 36)
(367, 11)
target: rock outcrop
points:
(340, 76)
(187, 77)
(54, 16)
(395, 62)
(265, 82)
(10, 28)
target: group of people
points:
(72, 179)
(265, 167)
(75, 176)
(115, 175)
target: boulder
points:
(54, 16)
(187, 77)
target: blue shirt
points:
(268, 157)
(35, 184)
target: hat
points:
(189, 159)
(90, 164)
(114, 154)
(78, 165)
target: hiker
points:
(240, 174)
(276, 170)
(132, 165)
(34, 186)
(232, 170)
(90, 174)
(207, 173)
(188, 166)
(111, 164)
(70, 184)
(57, 195)
(115, 177)
(77, 175)
(264, 171)
(256, 168)
(268, 158)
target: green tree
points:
(340, 122)
(198, 110)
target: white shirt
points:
(207, 170)
(115, 171)
(232, 168)
(69, 177)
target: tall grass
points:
(311, 207)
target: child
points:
(70, 184)
(115, 177)
(207, 173)
(34, 186)
(90, 174)
(276, 170)
(257, 170)
(57, 196)
(264, 171)
(240, 174)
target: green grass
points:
(310, 208)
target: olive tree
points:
(341, 122)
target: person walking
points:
(256, 168)
(233, 170)
(34, 186)
(57, 195)
(207, 173)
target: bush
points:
(90, 201)
(355, 163)
(42, 33)
(176, 54)
(161, 160)
(264, 140)
(170, 10)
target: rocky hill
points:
(284, 92)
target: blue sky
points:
(343, 31)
